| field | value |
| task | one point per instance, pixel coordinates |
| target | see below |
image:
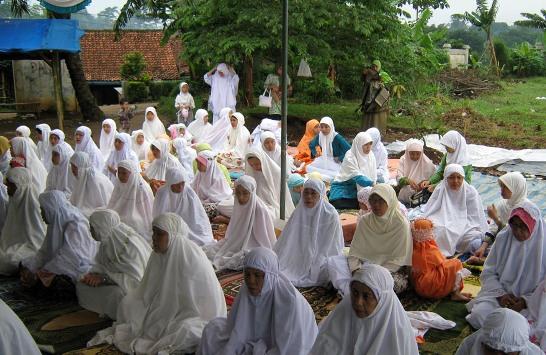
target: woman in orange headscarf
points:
(304, 152)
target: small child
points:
(184, 104)
(433, 275)
(125, 115)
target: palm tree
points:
(484, 18)
(86, 100)
(533, 20)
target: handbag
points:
(265, 100)
(420, 198)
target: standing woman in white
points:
(224, 84)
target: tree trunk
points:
(492, 53)
(249, 81)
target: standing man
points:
(224, 84)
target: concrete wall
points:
(33, 81)
(458, 58)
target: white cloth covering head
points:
(43, 146)
(122, 254)
(186, 204)
(106, 141)
(117, 156)
(268, 182)
(356, 162)
(275, 155)
(186, 155)
(457, 142)
(21, 147)
(178, 295)
(198, 127)
(24, 230)
(223, 89)
(505, 273)
(238, 138)
(60, 134)
(24, 131)
(325, 141)
(309, 238)
(384, 240)
(211, 186)
(387, 330)
(458, 216)
(419, 170)
(250, 226)
(217, 135)
(133, 200)
(88, 145)
(516, 183)
(158, 168)
(141, 150)
(152, 129)
(14, 336)
(380, 154)
(184, 133)
(260, 322)
(91, 189)
(58, 254)
(503, 330)
(60, 177)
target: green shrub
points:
(503, 54)
(166, 109)
(318, 89)
(527, 61)
(163, 88)
(135, 91)
(133, 66)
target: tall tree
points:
(421, 5)
(533, 20)
(86, 100)
(484, 18)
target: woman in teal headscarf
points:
(295, 185)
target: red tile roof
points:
(102, 57)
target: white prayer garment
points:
(210, 185)
(24, 230)
(106, 142)
(268, 183)
(4, 200)
(516, 183)
(60, 176)
(133, 200)
(250, 226)
(458, 215)
(117, 156)
(91, 189)
(275, 154)
(43, 146)
(223, 89)
(120, 260)
(200, 127)
(24, 131)
(387, 330)
(380, 154)
(20, 147)
(418, 171)
(88, 145)
(178, 295)
(141, 150)
(309, 238)
(186, 156)
(158, 168)
(356, 162)
(536, 315)
(15, 338)
(218, 134)
(277, 321)
(512, 267)
(325, 164)
(68, 248)
(60, 134)
(457, 142)
(186, 204)
(152, 129)
(503, 330)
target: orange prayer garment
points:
(433, 275)
(304, 153)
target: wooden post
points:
(57, 83)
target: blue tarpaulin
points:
(28, 36)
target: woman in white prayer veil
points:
(380, 154)
(178, 197)
(119, 264)
(43, 147)
(504, 331)
(218, 133)
(250, 226)
(107, 136)
(236, 144)
(85, 143)
(4, 201)
(68, 248)
(21, 148)
(178, 295)
(60, 177)
(370, 321)
(186, 155)
(122, 151)
(140, 146)
(133, 199)
(24, 131)
(91, 189)
(57, 137)
(153, 127)
(200, 127)
(273, 150)
(15, 338)
(224, 84)
(24, 230)
(269, 315)
(268, 181)
(155, 174)
(313, 233)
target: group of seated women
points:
(129, 225)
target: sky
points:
(509, 10)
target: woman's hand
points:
(28, 279)
(93, 279)
(413, 185)
(480, 253)
(424, 184)
(112, 170)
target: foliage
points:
(502, 52)
(133, 66)
(420, 5)
(533, 20)
(163, 88)
(318, 89)
(135, 91)
(528, 61)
